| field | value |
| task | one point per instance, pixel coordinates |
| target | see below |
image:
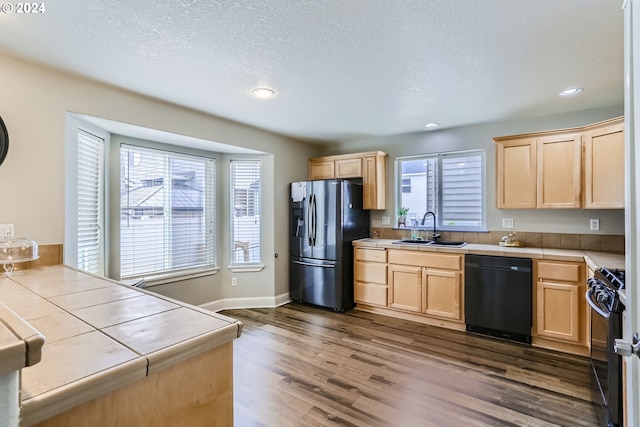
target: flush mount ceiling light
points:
(571, 91)
(263, 92)
(431, 125)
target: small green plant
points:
(403, 211)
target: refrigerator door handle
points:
(310, 220)
(315, 219)
(314, 265)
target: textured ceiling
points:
(341, 69)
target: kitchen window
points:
(167, 212)
(449, 184)
(245, 211)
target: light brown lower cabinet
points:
(427, 283)
(405, 288)
(443, 293)
(560, 307)
(420, 286)
(370, 276)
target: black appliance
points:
(326, 217)
(498, 294)
(606, 327)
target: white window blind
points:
(245, 212)
(167, 212)
(90, 185)
(450, 184)
(462, 190)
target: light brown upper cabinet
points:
(604, 165)
(371, 167)
(559, 179)
(560, 169)
(516, 174)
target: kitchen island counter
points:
(106, 343)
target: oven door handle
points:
(594, 306)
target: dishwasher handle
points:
(499, 268)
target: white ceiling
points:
(341, 69)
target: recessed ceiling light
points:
(431, 125)
(571, 91)
(263, 92)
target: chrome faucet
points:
(435, 235)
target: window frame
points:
(439, 192)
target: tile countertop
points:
(594, 260)
(98, 335)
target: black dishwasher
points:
(497, 294)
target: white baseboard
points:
(252, 302)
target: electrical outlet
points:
(507, 222)
(386, 220)
(594, 224)
(6, 230)
(234, 281)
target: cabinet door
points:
(442, 294)
(604, 167)
(516, 174)
(405, 287)
(321, 169)
(349, 168)
(374, 181)
(558, 311)
(559, 171)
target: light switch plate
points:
(6, 230)
(594, 224)
(507, 222)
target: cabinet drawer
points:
(565, 272)
(370, 272)
(371, 294)
(423, 259)
(371, 255)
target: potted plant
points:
(402, 216)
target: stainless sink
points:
(448, 243)
(445, 243)
(412, 241)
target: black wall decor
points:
(4, 141)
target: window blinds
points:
(245, 210)
(167, 212)
(90, 186)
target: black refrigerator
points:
(325, 216)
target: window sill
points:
(163, 279)
(252, 268)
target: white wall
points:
(34, 103)
(480, 136)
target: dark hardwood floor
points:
(301, 366)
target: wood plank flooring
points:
(297, 365)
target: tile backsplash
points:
(587, 242)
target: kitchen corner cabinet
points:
(426, 283)
(371, 167)
(560, 307)
(560, 169)
(370, 276)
